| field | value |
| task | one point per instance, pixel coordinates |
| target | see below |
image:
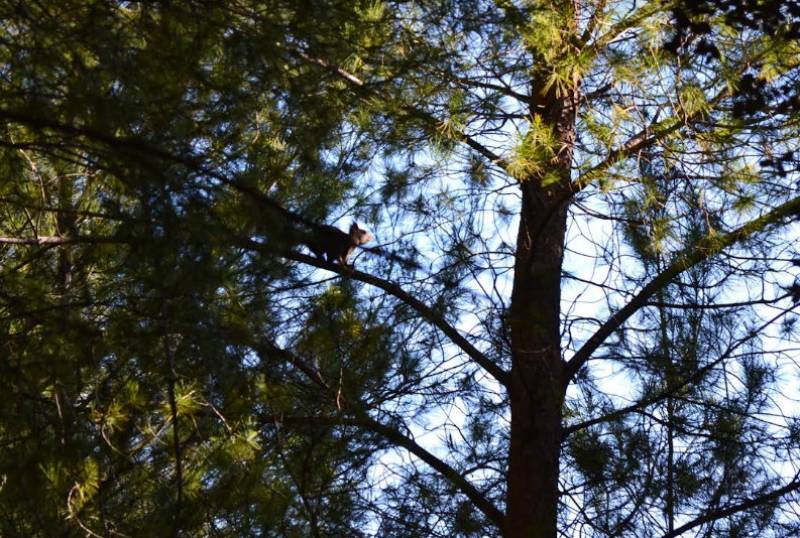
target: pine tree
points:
(577, 317)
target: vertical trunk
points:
(537, 374)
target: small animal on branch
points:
(332, 244)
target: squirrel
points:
(332, 244)
(326, 242)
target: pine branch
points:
(674, 389)
(393, 289)
(424, 310)
(429, 119)
(363, 419)
(752, 502)
(706, 249)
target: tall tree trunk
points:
(538, 381)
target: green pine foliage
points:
(176, 363)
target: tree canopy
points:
(577, 319)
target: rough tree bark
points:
(538, 376)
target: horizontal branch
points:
(715, 306)
(504, 89)
(428, 313)
(57, 240)
(393, 289)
